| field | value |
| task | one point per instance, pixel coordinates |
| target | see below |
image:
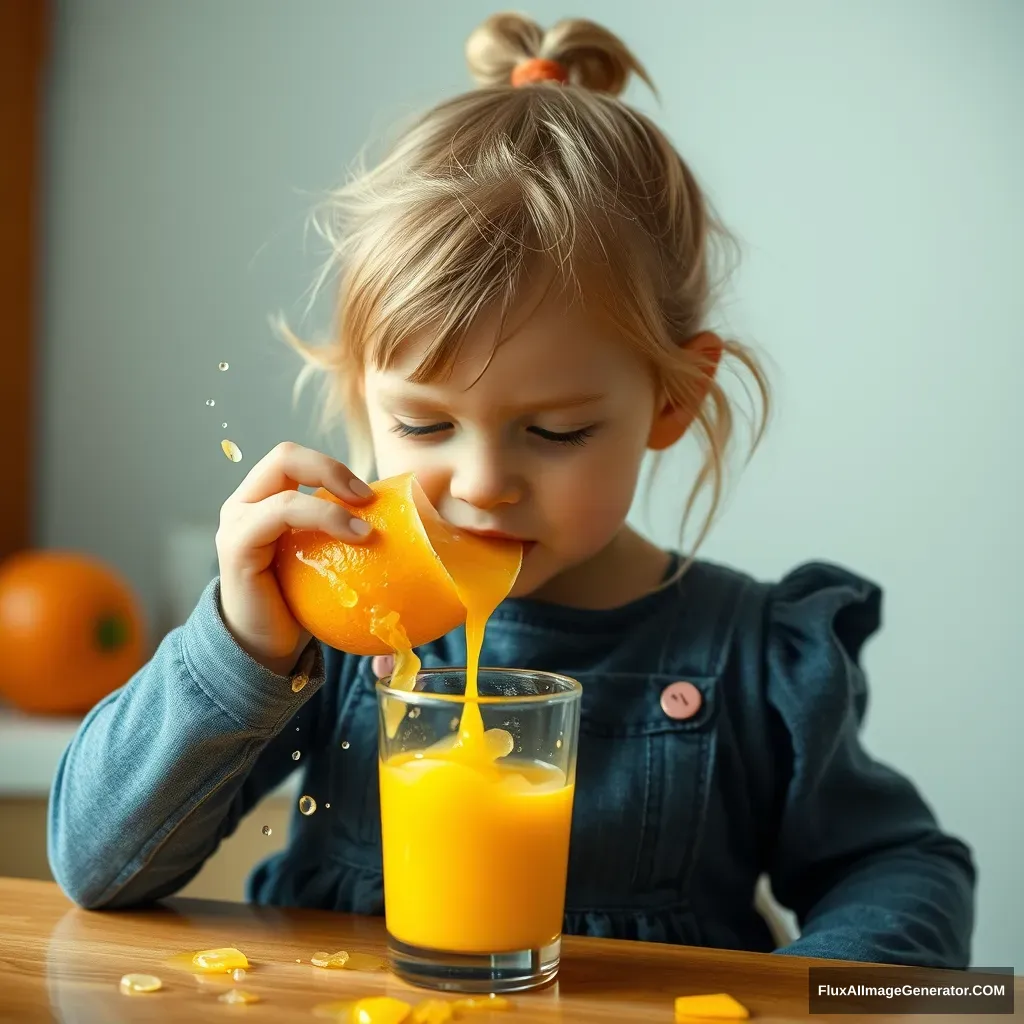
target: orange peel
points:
(399, 588)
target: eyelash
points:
(575, 437)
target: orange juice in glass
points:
(476, 803)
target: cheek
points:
(395, 455)
(587, 504)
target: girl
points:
(525, 283)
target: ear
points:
(671, 422)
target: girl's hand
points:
(383, 665)
(266, 504)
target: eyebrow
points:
(410, 400)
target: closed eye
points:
(407, 430)
(576, 437)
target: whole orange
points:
(396, 586)
(71, 631)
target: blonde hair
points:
(483, 185)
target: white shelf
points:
(31, 747)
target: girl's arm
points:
(163, 769)
(860, 857)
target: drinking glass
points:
(475, 847)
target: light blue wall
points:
(869, 156)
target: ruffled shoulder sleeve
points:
(858, 854)
(820, 618)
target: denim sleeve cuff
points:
(251, 694)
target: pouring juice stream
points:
(464, 801)
(481, 587)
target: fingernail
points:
(357, 487)
(360, 527)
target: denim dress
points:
(677, 813)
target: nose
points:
(483, 481)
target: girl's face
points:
(544, 445)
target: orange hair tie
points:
(537, 69)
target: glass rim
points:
(573, 688)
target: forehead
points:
(550, 340)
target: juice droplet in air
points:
(223, 426)
(345, 744)
(267, 830)
(347, 596)
(558, 744)
(219, 961)
(307, 805)
(137, 984)
(237, 974)
(222, 366)
(231, 450)
(296, 754)
(238, 996)
(379, 1010)
(210, 402)
(328, 806)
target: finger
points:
(383, 665)
(288, 465)
(263, 522)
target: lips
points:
(499, 535)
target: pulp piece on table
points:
(238, 996)
(332, 960)
(379, 1010)
(220, 960)
(491, 1002)
(432, 1011)
(714, 1007)
(135, 984)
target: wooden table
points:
(61, 963)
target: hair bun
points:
(592, 56)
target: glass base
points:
(474, 972)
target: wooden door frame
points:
(23, 35)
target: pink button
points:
(680, 700)
(383, 665)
